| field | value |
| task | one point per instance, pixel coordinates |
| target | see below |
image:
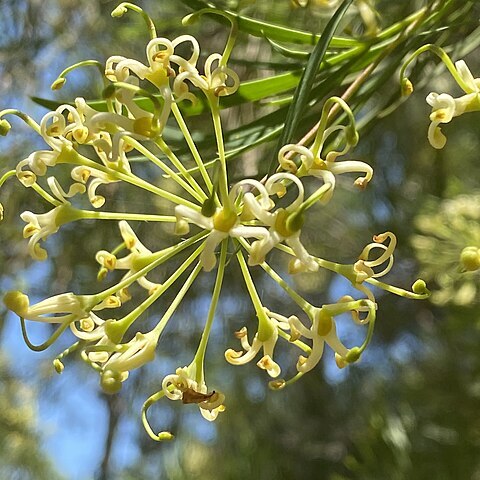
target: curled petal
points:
(241, 358)
(306, 157)
(267, 363)
(443, 107)
(272, 187)
(435, 136)
(387, 254)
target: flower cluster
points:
(245, 221)
(447, 245)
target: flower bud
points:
(5, 127)
(58, 365)
(119, 11)
(58, 83)
(17, 302)
(353, 355)
(407, 87)
(111, 381)
(470, 259)
(420, 287)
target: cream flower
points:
(94, 178)
(126, 357)
(364, 267)
(159, 52)
(219, 81)
(53, 129)
(265, 339)
(221, 226)
(39, 227)
(323, 331)
(66, 307)
(182, 386)
(139, 254)
(38, 162)
(326, 169)
(283, 224)
(445, 107)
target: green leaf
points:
(302, 92)
(259, 28)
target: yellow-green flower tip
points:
(470, 259)
(5, 127)
(111, 382)
(1, 212)
(58, 365)
(165, 437)
(353, 355)
(119, 11)
(189, 19)
(407, 87)
(58, 83)
(17, 302)
(420, 287)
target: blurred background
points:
(409, 409)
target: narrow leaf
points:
(259, 28)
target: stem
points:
(127, 216)
(129, 319)
(134, 180)
(297, 343)
(397, 290)
(179, 297)
(223, 179)
(191, 145)
(122, 8)
(61, 77)
(163, 256)
(55, 335)
(202, 347)
(45, 195)
(298, 299)
(178, 164)
(440, 53)
(6, 176)
(265, 326)
(26, 118)
(329, 106)
(314, 197)
(198, 194)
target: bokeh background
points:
(409, 409)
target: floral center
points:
(224, 221)
(143, 126)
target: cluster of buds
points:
(247, 220)
(447, 245)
